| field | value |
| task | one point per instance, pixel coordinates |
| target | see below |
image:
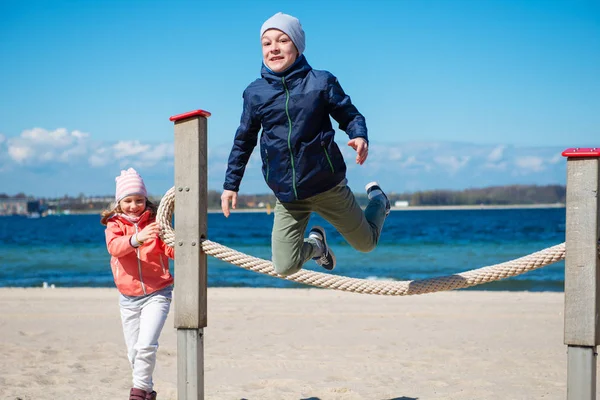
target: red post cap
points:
(190, 114)
(582, 152)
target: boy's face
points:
(279, 52)
(133, 206)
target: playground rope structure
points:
(460, 280)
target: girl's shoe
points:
(138, 394)
(151, 395)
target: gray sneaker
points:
(327, 259)
(373, 190)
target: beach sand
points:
(296, 344)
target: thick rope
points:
(390, 288)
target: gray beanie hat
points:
(289, 25)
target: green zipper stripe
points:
(267, 157)
(328, 159)
(287, 112)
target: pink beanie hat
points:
(129, 183)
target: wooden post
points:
(582, 274)
(190, 262)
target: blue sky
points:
(80, 77)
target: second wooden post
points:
(582, 272)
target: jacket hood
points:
(297, 70)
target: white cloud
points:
(395, 154)
(153, 155)
(528, 164)
(46, 156)
(129, 148)
(79, 134)
(160, 152)
(37, 145)
(19, 153)
(100, 157)
(412, 163)
(452, 163)
(73, 152)
(556, 159)
(409, 162)
(496, 154)
(97, 161)
(133, 154)
(57, 138)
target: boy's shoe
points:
(327, 259)
(373, 190)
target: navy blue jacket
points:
(299, 155)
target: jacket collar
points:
(143, 218)
(298, 70)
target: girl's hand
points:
(149, 232)
(226, 197)
(362, 149)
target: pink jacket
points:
(137, 270)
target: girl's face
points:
(279, 52)
(133, 206)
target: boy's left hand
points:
(362, 149)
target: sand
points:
(296, 344)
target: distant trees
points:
(495, 195)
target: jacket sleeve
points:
(243, 144)
(169, 251)
(117, 243)
(344, 112)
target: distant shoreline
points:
(479, 207)
(407, 208)
(432, 208)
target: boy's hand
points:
(149, 232)
(362, 149)
(226, 197)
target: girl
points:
(140, 269)
(302, 164)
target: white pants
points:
(143, 319)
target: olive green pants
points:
(337, 206)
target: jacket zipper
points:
(137, 251)
(267, 158)
(287, 112)
(327, 155)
